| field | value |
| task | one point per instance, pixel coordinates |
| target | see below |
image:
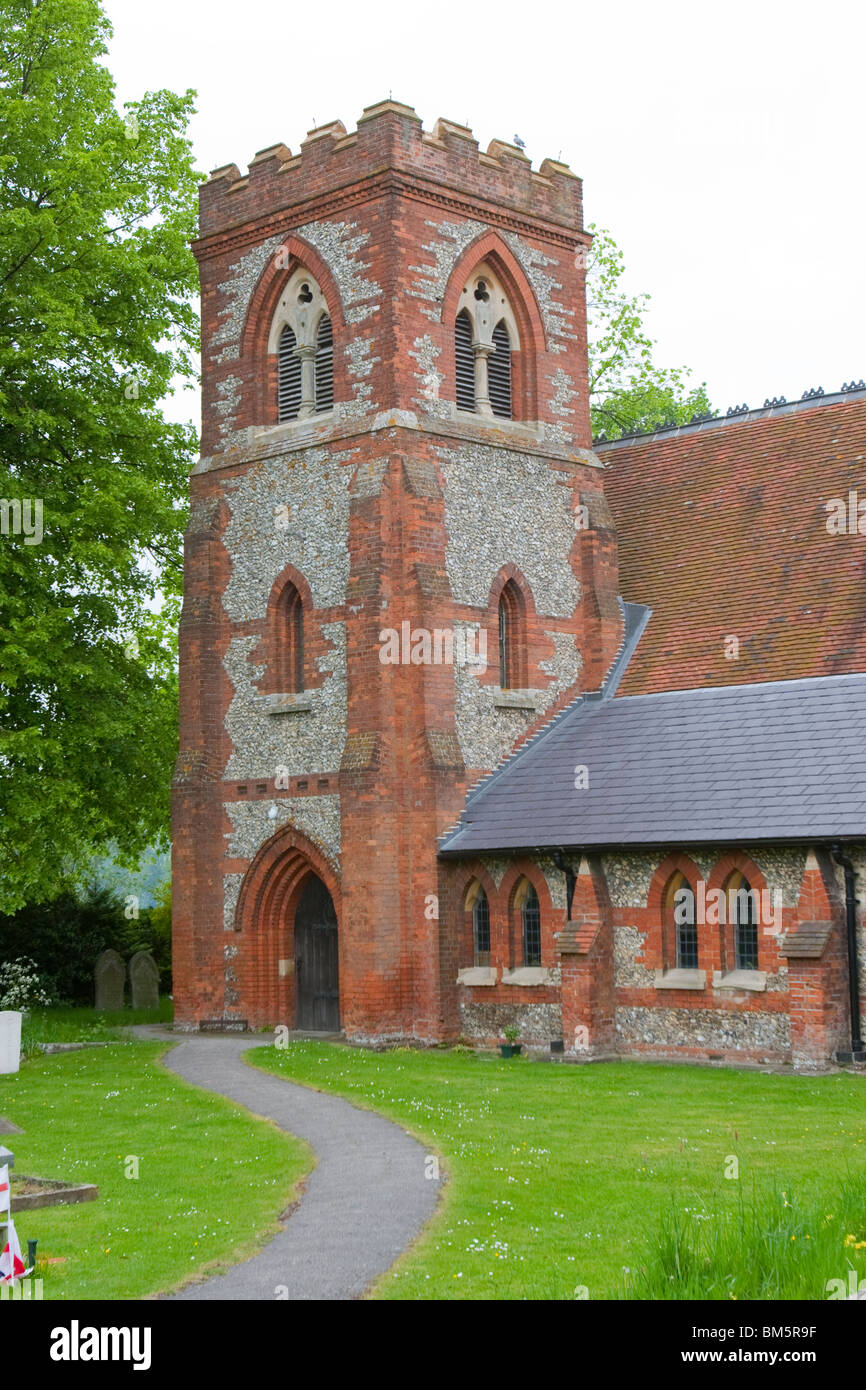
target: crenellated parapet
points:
(390, 146)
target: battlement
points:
(336, 167)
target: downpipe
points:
(851, 927)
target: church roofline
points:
(332, 163)
(635, 618)
(656, 763)
(735, 415)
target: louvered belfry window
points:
(288, 377)
(324, 365)
(465, 363)
(499, 372)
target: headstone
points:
(10, 1040)
(109, 974)
(144, 981)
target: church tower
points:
(399, 560)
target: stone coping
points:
(514, 436)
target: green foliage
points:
(158, 931)
(64, 937)
(210, 1184)
(558, 1174)
(145, 877)
(65, 1024)
(628, 393)
(770, 1246)
(96, 320)
(21, 986)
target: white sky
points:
(723, 145)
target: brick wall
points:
(393, 509)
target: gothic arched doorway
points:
(316, 959)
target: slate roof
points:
(774, 761)
(722, 530)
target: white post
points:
(10, 1041)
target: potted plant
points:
(510, 1048)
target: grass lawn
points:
(562, 1178)
(73, 1023)
(211, 1180)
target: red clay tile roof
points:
(723, 532)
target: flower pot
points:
(510, 1049)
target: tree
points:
(96, 320)
(628, 393)
(65, 936)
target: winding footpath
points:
(361, 1207)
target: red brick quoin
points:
(303, 755)
(395, 509)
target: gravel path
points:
(363, 1204)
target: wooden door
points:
(316, 960)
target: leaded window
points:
(745, 926)
(481, 928)
(531, 914)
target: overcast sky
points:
(723, 145)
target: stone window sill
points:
(477, 975)
(515, 699)
(740, 979)
(681, 979)
(298, 425)
(285, 704)
(497, 422)
(529, 975)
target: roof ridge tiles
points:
(739, 414)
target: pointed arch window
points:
(512, 638)
(531, 922)
(481, 929)
(302, 337)
(290, 640)
(288, 376)
(499, 372)
(681, 921)
(486, 338)
(324, 365)
(742, 913)
(465, 359)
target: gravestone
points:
(144, 981)
(109, 974)
(10, 1040)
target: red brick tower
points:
(396, 465)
